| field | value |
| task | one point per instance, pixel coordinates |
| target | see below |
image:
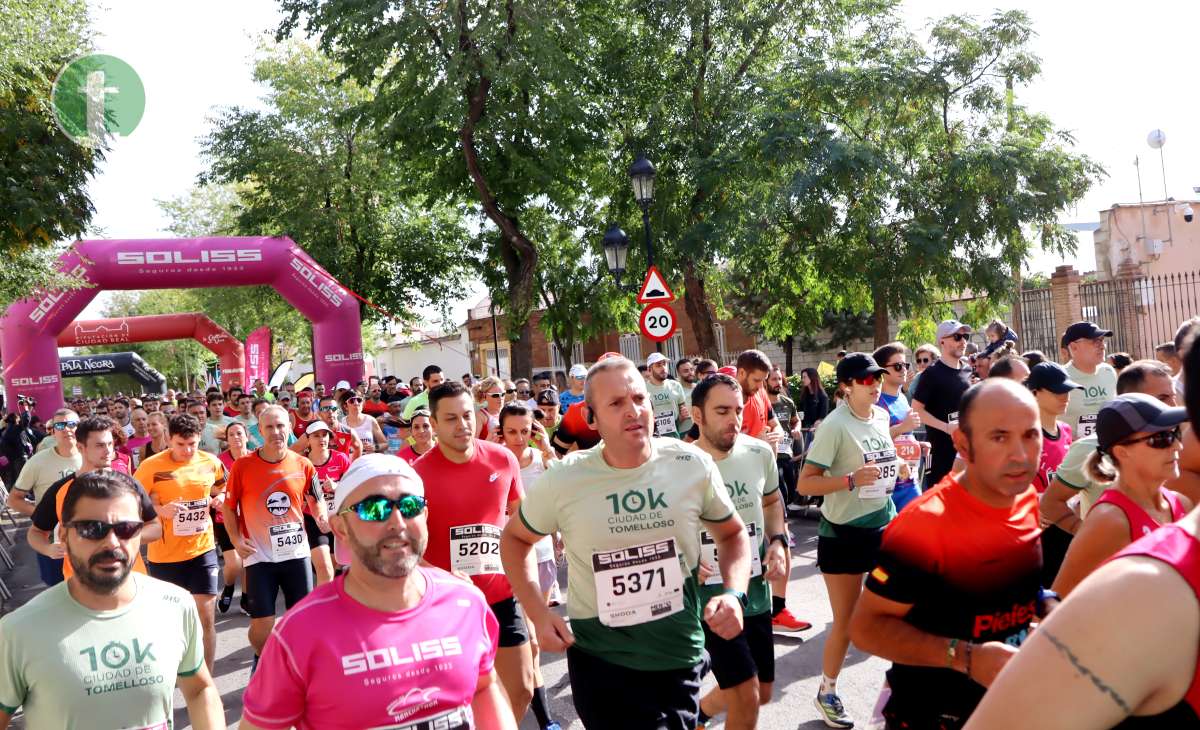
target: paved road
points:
(798, 663)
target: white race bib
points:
(708, 553)
(664, 424)
(192, 518)
(785, 444)
(456, 719)
(475, 549)
(909, 449)
(889, 469)
(952, 418)
(288, 542)
(638, 584)
(1087, 425)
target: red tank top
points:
(1172, 545)
(1140, 521)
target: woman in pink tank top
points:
(1137, 453)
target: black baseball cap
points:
(1083, 331)
(857, 365)
(1052, 377)
(1132, 413)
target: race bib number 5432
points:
(638, 584)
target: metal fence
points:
(1037, 327)
(1141, 311)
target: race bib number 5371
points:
(638, 584)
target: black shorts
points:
(751, 653)
(513, 631)
(1055, 541)
(853, 550)
(265, 580)
(199, 576)
(608, 695)
(224, 544)
(316, 538)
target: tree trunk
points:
(695, 301)
(883, 333)
(787, 354)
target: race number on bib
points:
(1087, 425)
(889, 469)
(288, 542)
(708, 553)
(192, 518)
(664, 424)
(638, 584)
(475, 549)
(952, 418)
(785, 444)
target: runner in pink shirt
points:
(390, 643)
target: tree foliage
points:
(312, 168)
(43, 196)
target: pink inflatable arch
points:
(231, 354)
(29, 329)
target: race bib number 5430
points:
(638, 584)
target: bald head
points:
(1000, 438)
(996, 397)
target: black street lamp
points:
(616, 250)
(641, 174)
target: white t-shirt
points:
(1098, 388)
(544, 548)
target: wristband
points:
(850, 482)
(780, 538)
(951, 653)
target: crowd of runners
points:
(1014, 535)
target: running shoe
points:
(786, 623)
(832, 711)
(244, 604)
(225, 600)
(553, 726)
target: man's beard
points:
(105, 584)
(776, 390)
(371, 556)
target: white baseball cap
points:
(342, 385)
(317, 425)
(578, 371)
(369, 466)
(951, 326)
(655, 357)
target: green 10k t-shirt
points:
(633, 545)
(72, 667)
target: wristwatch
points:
(782, 538)
(742, 597)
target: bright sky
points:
(1111, 73)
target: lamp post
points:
(616, 250)
(641, 174)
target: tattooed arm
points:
(1125, 642)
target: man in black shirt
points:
(938, 392)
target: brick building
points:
(731, 339)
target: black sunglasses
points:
(328, 409)
(899, 367)
(959, 336)
(924, 360)
(64, 425)
(378, 508)
(355, 399)
(97, 530)
(1160, 440)
(510, 391)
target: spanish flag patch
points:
(880, 575)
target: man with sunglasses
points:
(43, 469)
(432, 377)
(106, 648)
(472, 486)
(631, 513)
(343, 440)
(182, 480)
(391, 642)
(375, 406)
(95, 438)
(1085, 342)
(304, 413)
(574, 393)
(265, 520)
(937, 395)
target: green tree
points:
(487, 105)
(44, 198)
(923, 166)
(312, 168)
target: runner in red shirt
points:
(304, 413)
(471, 486)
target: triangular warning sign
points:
(654, 288)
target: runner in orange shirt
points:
(267, 489)
(181, 482)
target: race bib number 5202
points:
(475, 549)
(638, 584)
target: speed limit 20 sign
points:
(658, 322)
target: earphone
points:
(588, 416)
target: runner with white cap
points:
(391, 643)
(330, 465)
(666, 397)
(937, 395)
(574, 393)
